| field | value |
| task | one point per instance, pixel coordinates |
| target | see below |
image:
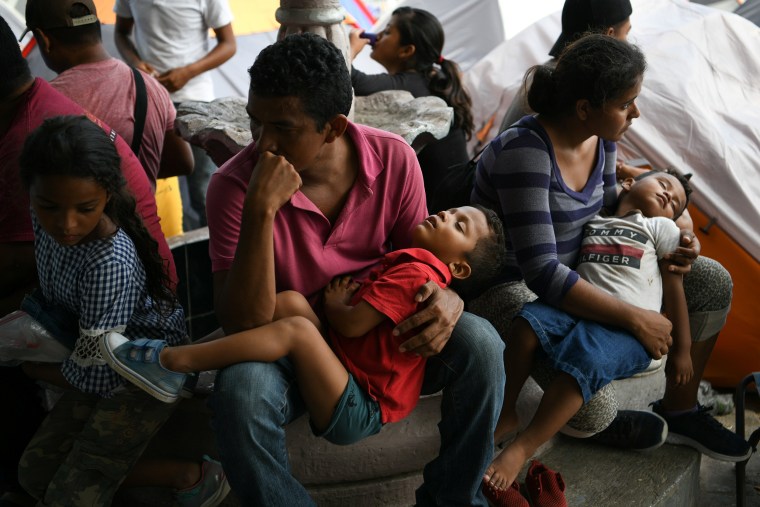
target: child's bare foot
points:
(504, 468)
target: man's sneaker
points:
(700, 430)
(209, 491)
(639, 430)
(138, 362)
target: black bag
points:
(455, 187)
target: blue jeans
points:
(252, 403)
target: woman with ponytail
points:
(548, 175)
(411, 50)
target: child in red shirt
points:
(362, 380)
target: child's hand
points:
(678, 369)
(340, 290)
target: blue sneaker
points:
(138, 362)
(700, 430)
(209, 491)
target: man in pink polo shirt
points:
(316, 196)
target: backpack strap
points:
(141, 108)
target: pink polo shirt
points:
(42, 101)
(385, 203)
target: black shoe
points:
(700, 430)
(639, 430)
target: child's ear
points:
(627, 184)
(460, 269)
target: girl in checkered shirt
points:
(99, 271)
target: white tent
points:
(700, 101)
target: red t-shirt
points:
(41, 101)
(392, 378)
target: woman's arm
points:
(367, 84)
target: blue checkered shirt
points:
(103, 282)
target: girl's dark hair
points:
(596, 67)
(424, 31)
(75, 146)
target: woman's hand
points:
(682, 258)
(652, 329)
(444, 307)
(623, 170)
(356, 43)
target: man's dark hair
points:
(15, 67)
(486, 259)
(683, 179)
(309, 67)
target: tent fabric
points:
(750, 10)
(699, 113)
(699, 101)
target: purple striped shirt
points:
(517, 175)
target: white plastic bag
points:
(24, 339)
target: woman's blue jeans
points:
(252, 403)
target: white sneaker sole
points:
(674, 438)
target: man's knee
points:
(245, 385)
(477, 338)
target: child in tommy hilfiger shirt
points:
(622, 255)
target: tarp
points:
(700, 113)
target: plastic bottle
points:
(371, 37)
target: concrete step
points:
(384, 470)
(600, 476)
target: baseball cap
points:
(579, 16)
(48, 14)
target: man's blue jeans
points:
(252, 403)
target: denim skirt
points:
(593, 354)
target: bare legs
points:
(296, 337)
(560, 402)
(678, 398)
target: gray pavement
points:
(717, 480)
